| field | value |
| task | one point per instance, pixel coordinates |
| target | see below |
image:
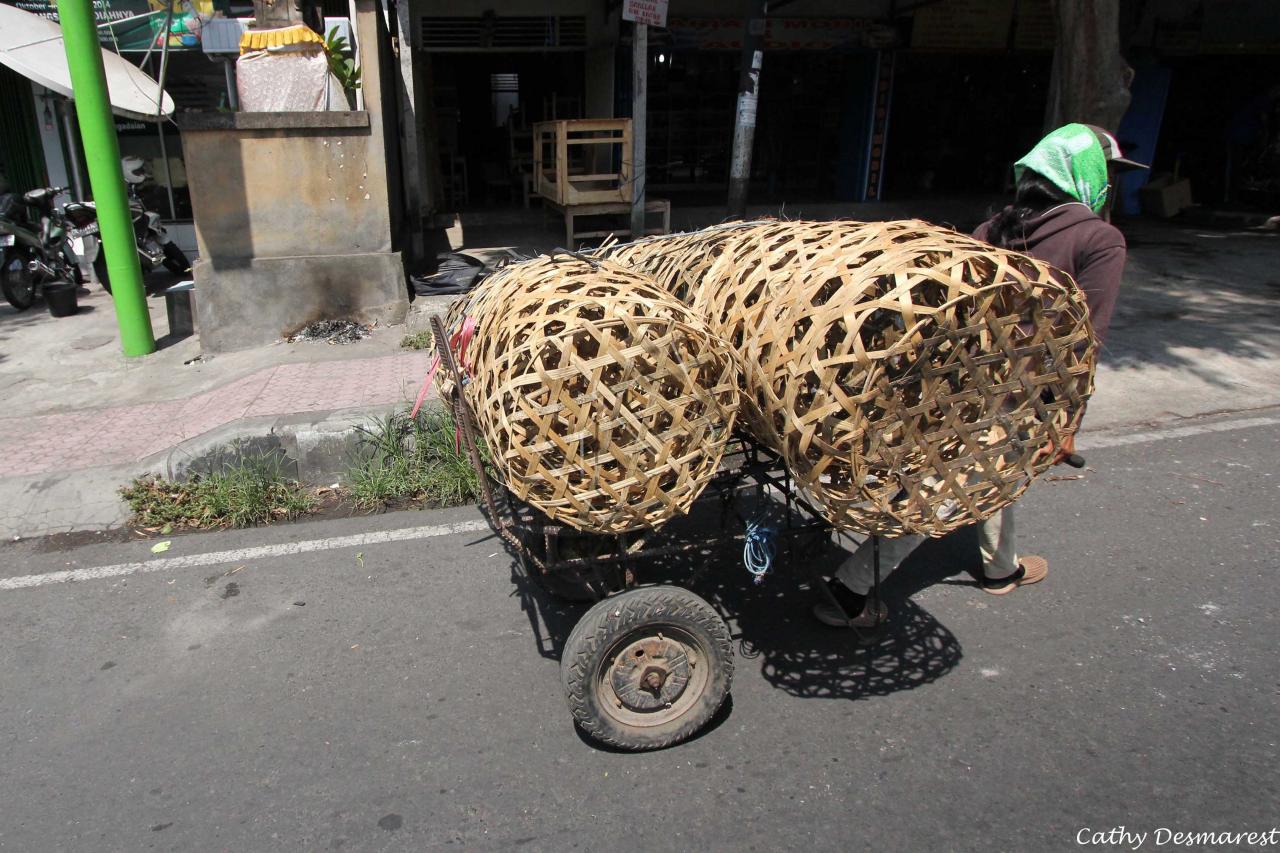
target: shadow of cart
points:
(771, 623)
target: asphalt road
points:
(405, 695)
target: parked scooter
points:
(35, 247)
(154, 246)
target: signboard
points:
(140, 34)
(1034, 27)
(783, 33)
(33, 47)
(651, 12)
(963, 25)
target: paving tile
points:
(121, 434)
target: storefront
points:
(1207, 99)
(971, 89)
(817, 123)
(496, 69)
(1205, 96)
(166, 44)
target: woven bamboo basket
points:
(913, 378)
(604, 402)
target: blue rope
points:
(759, 550)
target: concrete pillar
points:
(372, 36)
(420, 181)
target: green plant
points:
(418, 340)
(412, 459)
(341, 62)
(249, 491)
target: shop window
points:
(504, 91)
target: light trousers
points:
(995, 542)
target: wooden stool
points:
(571, 212)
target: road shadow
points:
(804, 658)
(13, 321)
(1189, 293)
(721, 716)
(11, 318)
(771, 622)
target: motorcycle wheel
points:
(175, 260)
(77, 276)
(104, 278)
(100, 270)
(17, 282)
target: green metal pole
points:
(102, 156)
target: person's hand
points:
(1057, 454)
(1067, 448)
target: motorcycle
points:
(154, 246)
(35, 244)
(40, 243)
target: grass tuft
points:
(248, 492)
(418, 340)
(412, 459)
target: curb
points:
(315, 448)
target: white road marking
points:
(241, 555)
(1094, 442)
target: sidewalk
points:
(80, 420)
(117, 435)
(1197, 331)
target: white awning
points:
(32, 46)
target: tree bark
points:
(1090, 79)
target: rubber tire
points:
(175, 260)
(20, 297)
(100, 270)
(620, 615)
(78, 278)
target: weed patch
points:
(412, 459)
(245, 493)
(418, 340)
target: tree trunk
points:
(1090, 79)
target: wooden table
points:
(571, 212)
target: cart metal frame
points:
(567, 560)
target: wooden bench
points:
(572, 212)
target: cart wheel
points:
(647, 668)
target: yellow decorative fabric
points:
(282, 37)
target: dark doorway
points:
(959, 121)
(486, 105)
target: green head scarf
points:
(1072, 159)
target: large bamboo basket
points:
(604, 402)
(913, 378)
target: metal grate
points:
(491, 32)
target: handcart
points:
(647, 666)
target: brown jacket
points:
(1080, 244)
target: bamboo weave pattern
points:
(604, 402)
(913, 378)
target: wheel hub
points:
(650, 674)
